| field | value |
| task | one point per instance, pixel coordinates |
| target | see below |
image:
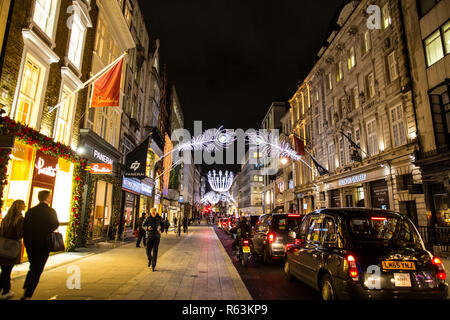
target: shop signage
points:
(380, 195)
(101, 168)
(45, 168)
(354, 179)
(103, 158)
(137, 187)
(136, 161)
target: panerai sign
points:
(355, 179)
(100, 156)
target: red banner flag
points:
(106, 91)
(299, 146)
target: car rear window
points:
(384, 229)
(287, 223)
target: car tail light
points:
(294, 215)
(440, 270)
(352, 268)
(378, 218)
(271, 237)
(246, 242)
(297, 241)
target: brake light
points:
(297, 241)
(294, 215)
(271, 237)
(246, 242)
(352, 268)
(378, 218)
(440, 270)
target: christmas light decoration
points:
(220, 182)
(270, 146)
(211, 197)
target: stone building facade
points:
(359, 90)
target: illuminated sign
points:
(100, 156)
(137, 187)
(101, 168)
(354, 179)
(45, 168)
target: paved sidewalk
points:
(194, 266)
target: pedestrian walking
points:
(141, 231)
(153, 225)
(12, 229)
(185, 224)
(175, 221)
(166, 225)
(40, 221)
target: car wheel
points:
(266, 256)
(327, 288)
(287, 271)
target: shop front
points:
(368, 189)
(135, 193)
(30, 171)
(101, 207)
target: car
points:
(271, 234)
(357, 253)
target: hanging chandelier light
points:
(212, 198)
(220, 182)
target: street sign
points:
(180, 199)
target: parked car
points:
(271, 234)
(364, 253)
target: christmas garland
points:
(48, 146)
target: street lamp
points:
(284, 161)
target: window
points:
(370, 85)
(303, 103)
(44, 15)
(392, 66)
(351, 62)
(372, 140)
(331, 163)
(367, 45)
(433, 48)
(355, 98)
(330, 82)
(128, 13)
(28, 93)
(386, 16)
(314, 229)
(339, 72)
(446, 33)
(404, 181)
(63, 125)
(341, 152)
(440, 106)
(398, 127)
(76, 42)
(329, 234)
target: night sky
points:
(229, 59)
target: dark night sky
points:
(229, 59)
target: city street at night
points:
(224, 158)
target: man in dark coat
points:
(40, 221)
(154, 224)
(141, 231)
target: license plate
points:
(246, 249)
(398, 265)
(402, 279)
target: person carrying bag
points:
(11, 232)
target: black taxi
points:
(364, 253)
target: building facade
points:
(358, 90)
(427, 34)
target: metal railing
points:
(435, 236)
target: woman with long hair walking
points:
(12, 229)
